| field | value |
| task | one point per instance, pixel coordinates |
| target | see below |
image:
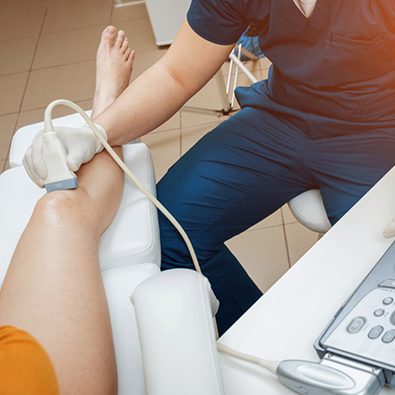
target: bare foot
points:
(114, 64)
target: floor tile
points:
(165, 150)
(262, 254)
(173, 123)
(288, 217)
(75, 82)
(264, 63)
(33, 116)
(299, 240)
(7, 163)
(207, 98)
(126, 13)
(29, 117)
(68, 47)
(16, 55)
(21, 23)
(7, 128)
(58, 1)
(189, 119)
(12, 88)
(7, 5)
(145, 60)
(140, 34)
(62, 111)
(72, 15)
(274, 219)
(265, 74)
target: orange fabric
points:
(25, 367)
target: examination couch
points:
(164, 337)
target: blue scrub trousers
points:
(246, 169)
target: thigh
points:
(347, 167)
(236, 175)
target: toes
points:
(120, 39)
(108, 35)
(128, 52)
(131, 57)
(125, 45)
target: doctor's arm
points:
(148, 102)
(162, 90)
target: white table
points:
(287, 320)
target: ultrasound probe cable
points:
(289, 371)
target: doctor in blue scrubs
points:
(325, 118)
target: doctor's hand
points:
(80, 143)
(389, 231)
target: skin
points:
(53, 288)
(163, 89)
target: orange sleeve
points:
(25, 367)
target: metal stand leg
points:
(227, 107)
(242, 67)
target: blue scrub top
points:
(337, 68)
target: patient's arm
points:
(53, 288)
(161, 91)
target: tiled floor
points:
(47, 52)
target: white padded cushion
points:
(308, 208)
(24, 136)
(174, 317)
(132, 237)
(119, 284)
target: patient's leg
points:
(114, 66)
(53, 288)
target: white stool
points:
(308, 208)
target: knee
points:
(60, 208)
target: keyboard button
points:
(389, 336)
(375, 332)
(356, 325)
(392, 318)
(388, 301)
(379, 313)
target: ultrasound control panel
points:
(369, 330)
(364, 327)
